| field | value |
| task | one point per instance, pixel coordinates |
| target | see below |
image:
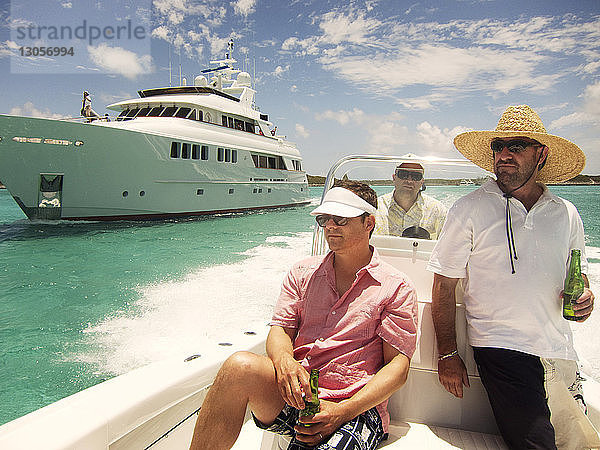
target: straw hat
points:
(565, 159)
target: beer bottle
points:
(574, 285)
(312, 404)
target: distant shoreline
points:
(579, 180)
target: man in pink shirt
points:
(349, 315)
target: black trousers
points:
(514, 382)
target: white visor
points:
(341, 202)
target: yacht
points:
(174, 151)
(156, 406)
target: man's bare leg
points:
(244, 379)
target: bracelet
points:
(448, 355)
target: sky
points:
(336, 77)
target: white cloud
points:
(173, 10)
(67, 5)
(244, 7)
(588, 114)
(383, 57)
(281, 70)
(29, 110)
(342, 117)
(301, 130)
(437, 141)
(191, 25)
(162, 32)
(8, 48)
(591, 97)
(576, 118)
(353, 27)
(120, 61)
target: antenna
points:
(180, 66)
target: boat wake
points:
(208, 305)
(212, 303)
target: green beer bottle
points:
(312, 404)
(574, 285)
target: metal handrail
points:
(318, 244)
(409, 157)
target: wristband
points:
(448, 355)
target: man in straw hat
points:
(406, 211)
(510, 240)
(346, 305)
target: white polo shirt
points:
(520, 311)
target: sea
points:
(81, 302)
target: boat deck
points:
(403, 435)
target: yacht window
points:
(132, 112)
(183, 112)
(262, 160)
(155, 112)
(169, 112)
(175, 146)
(185, 151)
(230, 190)
(233, 156)
(220, 154)
(204, 154)
(224, 120)
(255, 159)
(195, 151)
(122, 113)
(230, 122)
(280, 163)
(239, 124)
(192, 115)
(227, 155)
(271, 162)
(199, 191)
(143, 112)
(249, 127)
(200, 115)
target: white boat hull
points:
(123, 170)
(155, 406)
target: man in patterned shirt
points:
(407, 211)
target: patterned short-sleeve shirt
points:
(426, 212)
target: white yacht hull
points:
(123, 170)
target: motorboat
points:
(156, 406)
(174, 151)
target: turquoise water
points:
(82, 302)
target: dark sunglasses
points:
(406, 174)
(322, 220)
(514, 146)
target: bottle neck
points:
(575, 265)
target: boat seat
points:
(410, 435)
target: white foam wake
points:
(181, 316)
(211, 303)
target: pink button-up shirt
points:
(342, 336)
